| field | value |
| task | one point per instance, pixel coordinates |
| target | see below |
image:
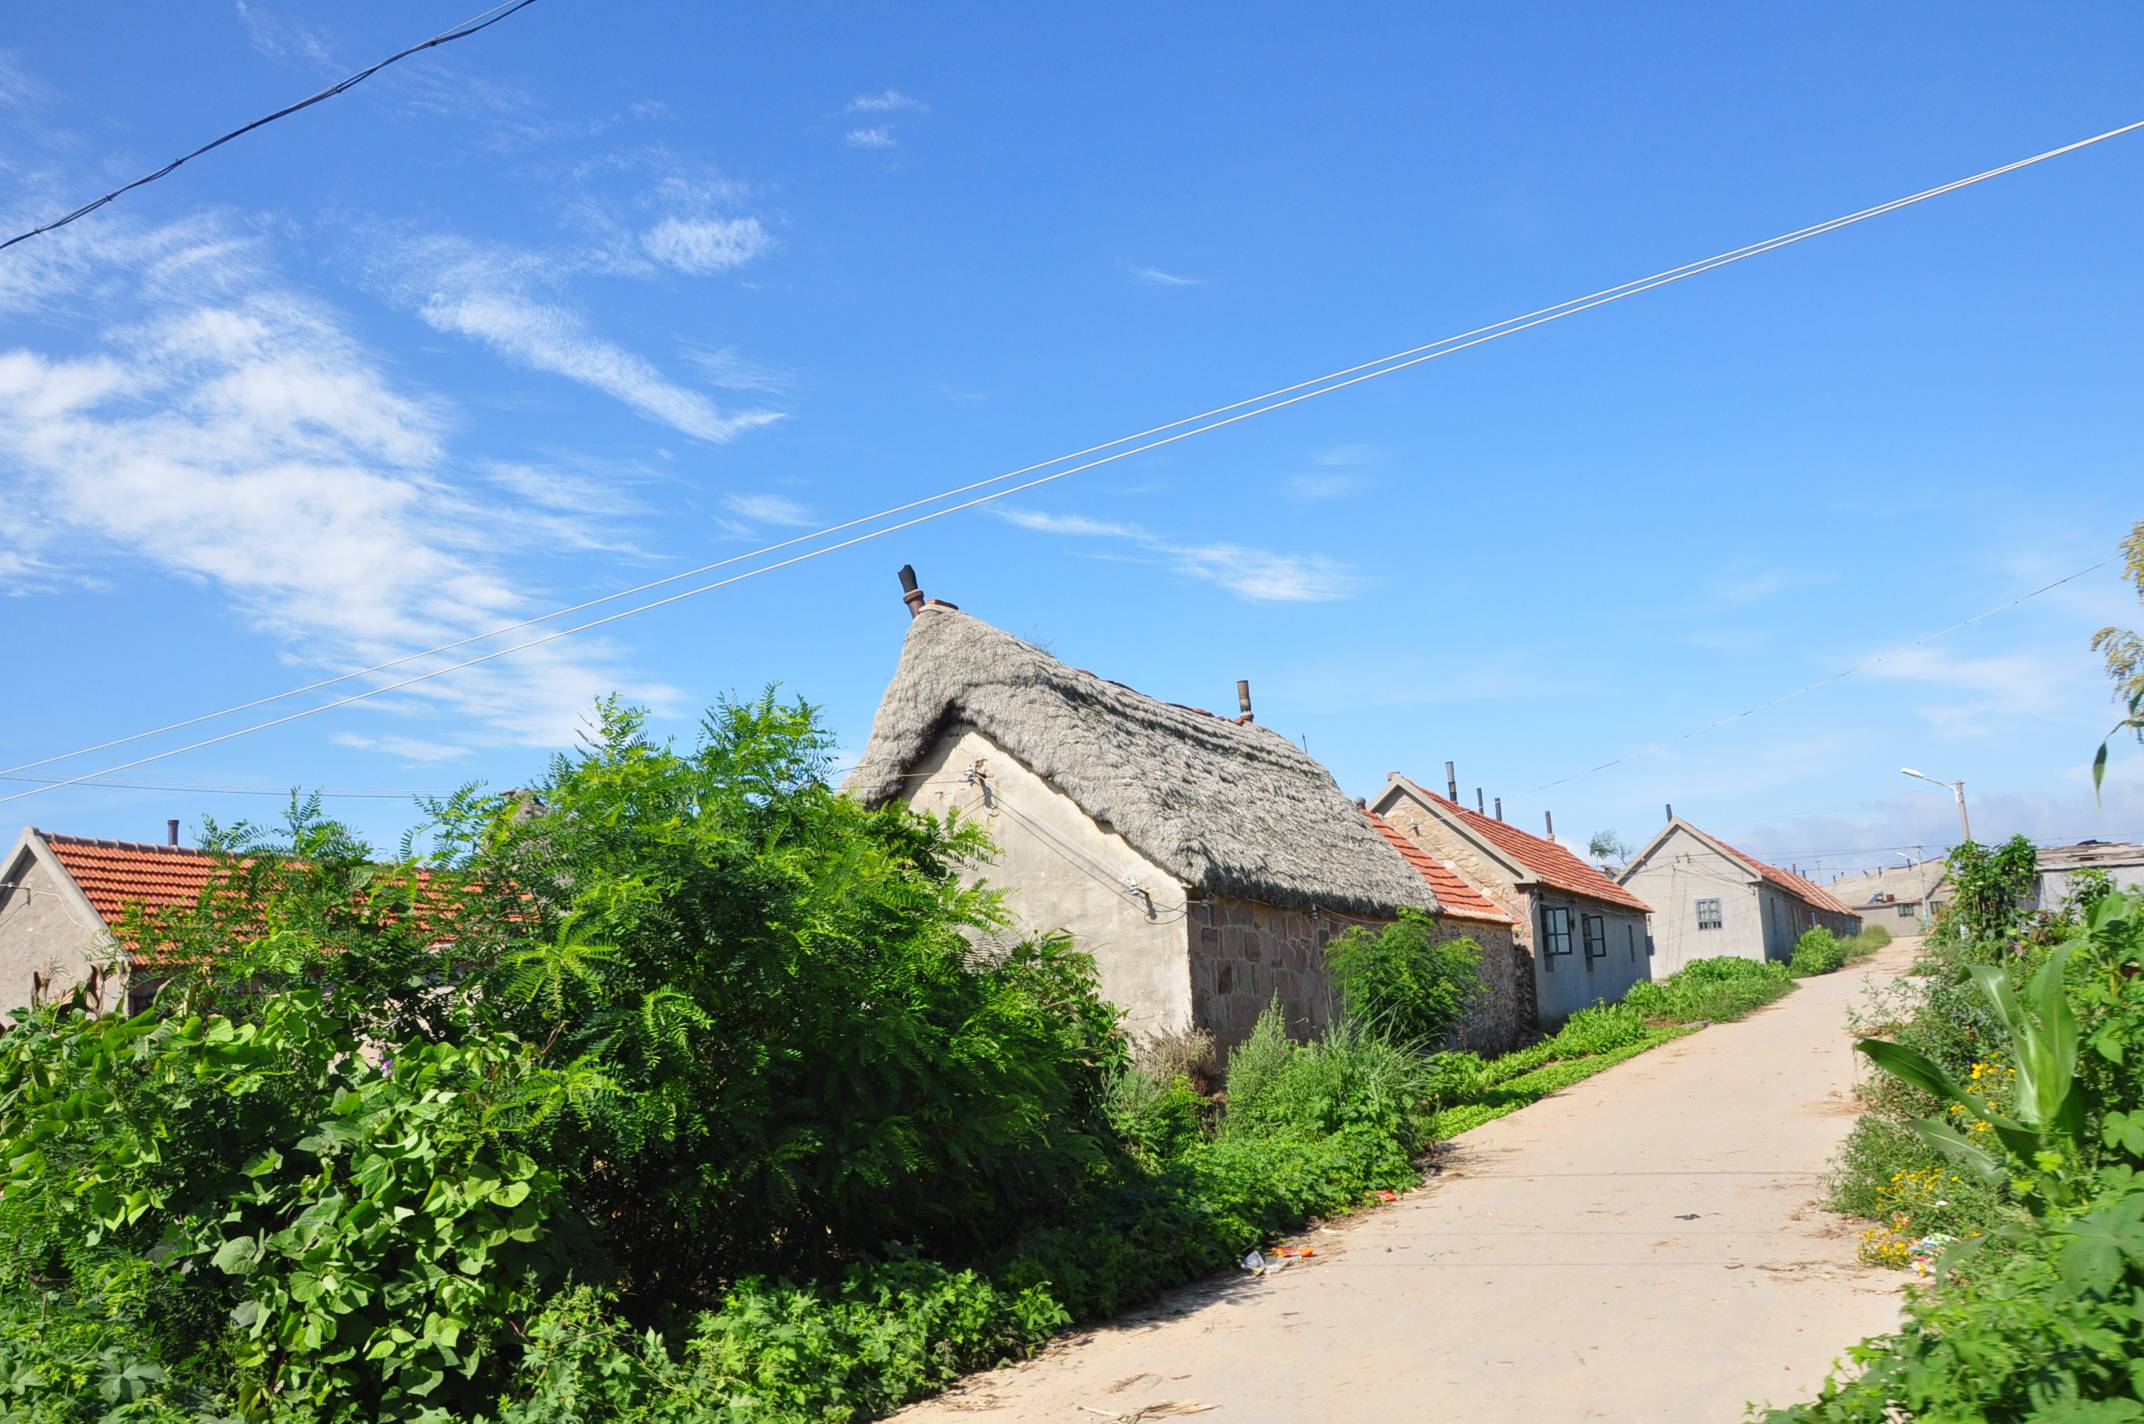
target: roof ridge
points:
(103, 843)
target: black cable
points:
(468, 27)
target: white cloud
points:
(492, 295)
(770, 509)
(874, 136)
(731, 370)
(2018, 684)
(889, 101)
(241, 439)
(1312, 488)
(706, 245)
(1155, 277)
(1260, 575)
(407, 748)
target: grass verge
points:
(1512, 1094)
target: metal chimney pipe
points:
(1671, 810)
(1500, 808)
(910, 594)
(1548, 819)
(1480, 808)
(171, 831)
(1451, 783)
(1243, 699)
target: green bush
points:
(1716, 990)
(1403, 982)
(1874, 938)
(1599, 1028)
(1156, 1120)
(1350, 1077)
(1818, 951)
(284, 1213)
(2037, 1149)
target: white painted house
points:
(1710, 899)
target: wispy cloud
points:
(731, 370)
(874, 136)
(1155, 277)
(703, 246)
(2029, 684)
(1260, 575)
(769, 509)
(1741, 586)
(499, 296)
(886, 102)
(408, 748)
(1328, 485)
(240, 438)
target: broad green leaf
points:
(238, 1256)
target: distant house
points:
(63, 897)
(1901, 898)
(1204, 861)
(2121, 861)
(1584, 934)
(1507, 1014)
(1710, 899)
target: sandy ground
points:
(1644, 1246)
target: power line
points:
(1317, 386)
(1491, 332)
(463, 30)
(332, 793)
(1651, 749)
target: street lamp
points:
(1956, 788)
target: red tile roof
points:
(1788, 881)
(1461, 900)
(1546, 861)
(116, 874)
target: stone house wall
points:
(1243, 953)
(45, 928)
(1506, 1016)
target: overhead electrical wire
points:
(1535, 317)
(463, 30)
(332, 793)
(1259, 405)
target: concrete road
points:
(1646, 1246)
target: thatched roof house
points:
(1204, 861)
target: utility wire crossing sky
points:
(1301, 391)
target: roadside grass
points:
(1503, 1098)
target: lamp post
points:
(1956, 788)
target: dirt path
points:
(1645, 1246)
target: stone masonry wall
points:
(1243, 953)
(1505, 1018)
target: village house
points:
(1204, 861)
(1901, 898)
(1710, 899)
(1583, 933)
(2121, 862)
(61, 900)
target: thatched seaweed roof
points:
(1230, 808)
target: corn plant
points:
(2040, 1136)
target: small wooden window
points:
(1708, 915)
(1556, 929)
(1596, 932)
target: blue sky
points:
(606, 292)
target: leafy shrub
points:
(1254, 1063)
(1873, 938)
(1818, 951)
(1181, 1053)
(1599, 1028)
(282, 1208)
(1456, 1077)
(1405, 983)
(1716, 990)
(1157, 1120)
(2038, 1319)
(1351, 1077)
